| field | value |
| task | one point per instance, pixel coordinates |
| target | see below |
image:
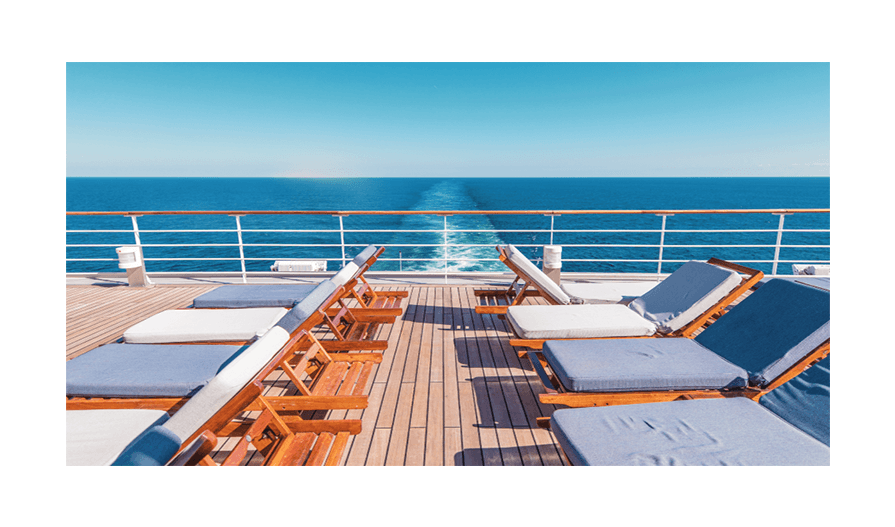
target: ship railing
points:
(445, 257)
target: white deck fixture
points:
(553, 262)
(818, 270)
(299, 265)
(130, 258)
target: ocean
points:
(423, 251)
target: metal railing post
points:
(136, 231)
(242, 258)
(552, 217)
(140, 249)
(779, 241)
(342, 235)
(445, 249)
(137, 238)
(662, 241)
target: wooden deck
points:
(449, 391)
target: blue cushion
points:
(154, 447)
(771, 329)
(804, 401)
(734, 431)
(639, 364)
(684, 295)
(365, 255)
(146, 370)
(243, 296)
(314, 301)
(820, 282)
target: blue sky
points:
(448, 119)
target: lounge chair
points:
(164, 376)
(767, 339)
(678, 306)
(353, 328)
(287, 295)
(789, 426)
(536, 283)
(150, 437)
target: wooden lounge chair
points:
(535, 283)
(144, 436)
(287, 295)
(163, 376)
(353, 328)
(789, 426)
(363, 292)
(685, 301)
(770, 337)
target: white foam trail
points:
(449, 195)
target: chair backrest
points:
(304, 309)
(246, 367)
(355, 267)
(345, 274)
(688, 292)
(771, 330)
(804, 401)
(364, 256)
(533, 274)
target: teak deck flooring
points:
(449, 391)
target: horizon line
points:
(452, 177)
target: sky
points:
(447, 119)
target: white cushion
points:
(578, 321)
(97, 437)
(199, 325)
(544, 283)
(607, 292)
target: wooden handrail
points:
(438, 212)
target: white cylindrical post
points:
(553, 262)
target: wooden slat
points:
(398, 438)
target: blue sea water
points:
(423, 250)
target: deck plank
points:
(449, 360)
